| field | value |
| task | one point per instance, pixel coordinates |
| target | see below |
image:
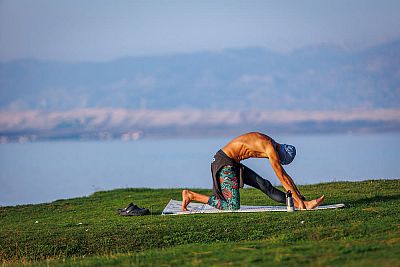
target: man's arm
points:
(285, 179)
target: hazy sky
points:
(102, 30)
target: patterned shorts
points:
(230, 190)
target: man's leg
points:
(251, 178)
(229, 180)
(229, 187)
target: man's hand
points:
(300, 202)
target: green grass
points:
(86, 231)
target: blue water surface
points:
(46, 171)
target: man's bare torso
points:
(250, 145)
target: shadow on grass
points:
(371, 200)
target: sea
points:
(42, 172)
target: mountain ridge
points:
(318, 78)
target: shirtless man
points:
(229, 174)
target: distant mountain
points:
(313, 78)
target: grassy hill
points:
(86, 231)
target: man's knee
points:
(228, 205)
(235, 206)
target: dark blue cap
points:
(286, 153)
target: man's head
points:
(286, 153)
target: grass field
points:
(86, 231)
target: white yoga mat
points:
(174, 208)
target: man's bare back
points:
(250, 145)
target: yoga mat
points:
(174, 208)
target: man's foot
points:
(186, 199)
(312, 204)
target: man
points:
(229, 174)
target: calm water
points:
(43, 172)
